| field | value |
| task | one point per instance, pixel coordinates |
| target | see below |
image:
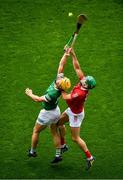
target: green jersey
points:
(52, 95)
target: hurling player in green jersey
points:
(50, 113)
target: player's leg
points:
(75, 122)
(35, 136)
(75, 133)
(62, 130)
(56, 139)
(41, 123)
(63, 119)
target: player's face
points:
(58, 82)
(83, 83)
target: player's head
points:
(88, 82)
(63, 83)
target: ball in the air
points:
(70, 14)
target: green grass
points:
(32, 36)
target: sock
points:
(62, 142)
(62, 146)
(32, 150)
(88, 155)
(58, 152)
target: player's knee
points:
(62, 127)
(74, 139)
(60, 123)
(35, 130)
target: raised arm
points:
(62, 63)
(76, 65)
(33, 96)
(66, 96)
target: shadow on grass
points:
(43, 169)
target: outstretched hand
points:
(67, 50)
(72, 51)
(28, 91)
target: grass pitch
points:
(32, 36)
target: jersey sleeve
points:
(74, 95)
(50, 97)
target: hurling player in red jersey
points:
(75, 111)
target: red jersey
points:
(78, 97)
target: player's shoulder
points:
(51, 85)
(77, 86)
(54, 91)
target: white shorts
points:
(75, 120)
(48, 117)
